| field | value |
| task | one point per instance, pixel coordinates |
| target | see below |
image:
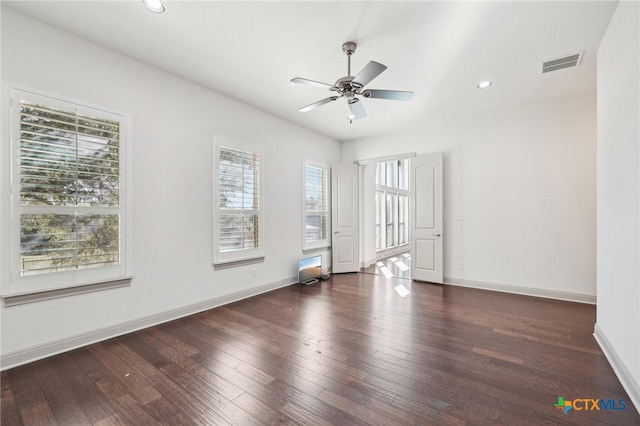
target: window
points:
(238, 213)
(69, 210)
(315, 209)
(392, 204)
(380, 218)
(403, 218)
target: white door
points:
(426, 218)
(345, 241)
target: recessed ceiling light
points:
(484, 84)
(156, 6)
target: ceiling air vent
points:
(560, 63)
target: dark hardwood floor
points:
(346, 351)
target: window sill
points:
(240, 262)
(14, 299)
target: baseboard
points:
(626, 378)
(367, 263)
(15, 359)
(527, 291)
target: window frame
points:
(229, 258)
(62, 283)
(326, 241)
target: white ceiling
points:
(439, 50)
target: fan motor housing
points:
(344, 81)
(344, 86)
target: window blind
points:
(238, 200)
(69, 190)
(315, 204)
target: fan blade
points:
(357, 110)
(300, 80)
(394, 95)
(371, 71)
(318, 104)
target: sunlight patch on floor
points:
(401, 265)
(402, 290)
(387, 273)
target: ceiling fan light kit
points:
(350, 87)
(155, 6)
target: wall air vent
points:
(564, 62)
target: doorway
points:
(402, 217)
(391, 222)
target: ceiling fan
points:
(351, 87)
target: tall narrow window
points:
(316, 210)
(239, 209)
(403, 219)
(392, 223)
(392, 206)
(70, 205)
(380, 219)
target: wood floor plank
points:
(186, 402)
(166, 412)
(208, 393)
(62, 397)
(250, 353)
(28, 396)
(355, 409)
(131, 411)
(86, 392)
(312, 407)
(136, 384)
(262, 411)
(163, 341)
(345, 351)
(9, 412)
(39, 414)
(112, 420)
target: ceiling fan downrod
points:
(349, 48)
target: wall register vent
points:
(564, 62)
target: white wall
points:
(173, 125)
(524, 179)
(618, 182)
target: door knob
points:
(436, 235)
(336, 232)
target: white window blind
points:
(69, 190)
(316, 211)
(69, 209)
(239, 203)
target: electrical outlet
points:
(254, 272)
(460, 266)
